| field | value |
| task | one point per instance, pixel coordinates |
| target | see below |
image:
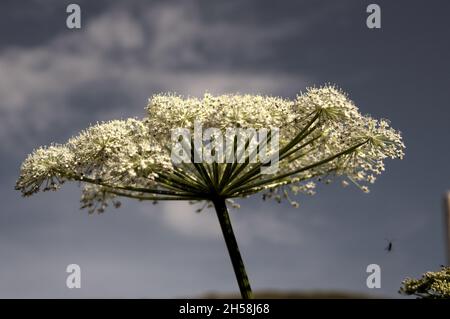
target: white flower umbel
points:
(432, 285)
(322, 135)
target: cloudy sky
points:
(55, 81)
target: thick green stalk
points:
(233, 249)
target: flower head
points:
(321, 135)
(432, 285)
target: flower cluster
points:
(432, 285)
(322, 135)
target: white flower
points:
(322, 135)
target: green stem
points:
(233, 249)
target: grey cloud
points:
(47, 86)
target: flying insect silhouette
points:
(389, 246)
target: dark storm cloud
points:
(54, 82)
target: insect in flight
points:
(389, 246)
